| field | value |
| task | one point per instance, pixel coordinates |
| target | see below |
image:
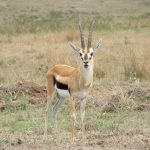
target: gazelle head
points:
(86, 53)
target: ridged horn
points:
(82, 37)
(90, 35)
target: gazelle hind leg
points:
(46, 117)
(50, 97)
(56, 109)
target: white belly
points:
(65, 93)
(81, 94)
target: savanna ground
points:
(34, 36)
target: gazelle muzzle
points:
(86, 64)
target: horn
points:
(81, 36)
(90, 35)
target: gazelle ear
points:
(74, 47)
(97, 45)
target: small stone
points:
(19, 141)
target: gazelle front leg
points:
(73, 109)
(82, 115)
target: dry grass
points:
(42, 8)
(123, 55)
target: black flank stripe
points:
(60, 85)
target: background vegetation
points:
(34, 36)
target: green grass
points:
(57, 21)
(106, 122)
(21, 104)
(21, 120)
(33, 118)
(144, 98)
(4, 140)
(99, 126)
(2, 62)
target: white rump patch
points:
(62, 93)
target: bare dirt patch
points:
(108, 98)
(36, 94)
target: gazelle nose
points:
(85, 62)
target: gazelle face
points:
(86, 54)
(86, 57)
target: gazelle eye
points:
(91, 54)
(81, 55)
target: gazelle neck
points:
(86, 74)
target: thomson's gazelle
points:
(65, 81)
